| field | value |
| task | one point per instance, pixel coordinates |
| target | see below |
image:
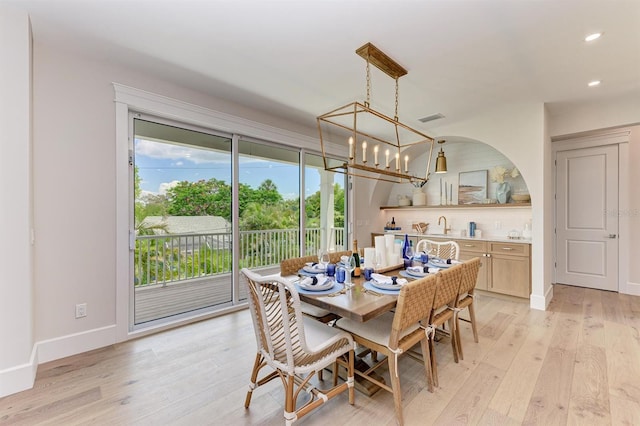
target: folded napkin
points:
(422, 270)
(321, 280)
(383, 279)
(314, 268)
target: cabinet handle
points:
(507, 248)
(468, 245)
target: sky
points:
(161, 165)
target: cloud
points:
(164, 187)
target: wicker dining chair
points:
(441, 249)
(292, 265)
(442, 312)
(294, 345)
(393, 334)
(466, 299)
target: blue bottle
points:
(405, 247)
(472, 229)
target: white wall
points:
(16, 254)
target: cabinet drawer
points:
(473, 246)
(509, 248)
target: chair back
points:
(292, 265)
(275, 309)
(469, 276)
(414, 304)
(448, 283)
(443, 250)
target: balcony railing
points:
(164, 259)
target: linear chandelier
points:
(376, 143)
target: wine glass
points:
(377, 262)
(324, 259)
(409, 255)
(350, 266)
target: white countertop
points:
(499, 239)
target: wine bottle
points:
(393, 222)
(356, 256)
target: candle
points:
(397, 161)
(364, 151)
(350, 148)
(375, 157)
(386, 157)
(451, 194)
(446, 196)
(441, 190)
(406, 164)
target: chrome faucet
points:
(445, 224)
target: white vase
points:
(419, 197)
(503, 192)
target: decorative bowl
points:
(521, 198)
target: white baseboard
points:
(21, 377)
(541, 302)
(72, 344)
(632, 289)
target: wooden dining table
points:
(356, 303)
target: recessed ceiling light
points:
(592, 37)
(594, 83)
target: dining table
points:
(357, 302)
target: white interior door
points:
(587, 219)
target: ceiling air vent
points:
(431, 117)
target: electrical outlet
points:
(498, 225)
(81, 310)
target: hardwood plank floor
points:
(575, 364)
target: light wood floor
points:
(577, 363)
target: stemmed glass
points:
(324, 259)
(409, 253)
(377, 262)
(351, 266)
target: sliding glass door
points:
(207, 204)
(183, 221)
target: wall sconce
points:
(441, 161)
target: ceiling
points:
(297, 58)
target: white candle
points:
(397, 161)
(375, 157)
(350, 148)
(441, 189)
(406, 164)
(386, 157)
(364, 151)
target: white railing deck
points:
(184, 272)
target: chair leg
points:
(289, 403)
(434, 365)
(395, 385)
(454, 341)
(472, 317)
(426, 358)
(254, 379)
(458, 341)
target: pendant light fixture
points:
(441, 161)
(376, 144)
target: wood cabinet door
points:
(510, 275)
(470, 249)
(482, 283)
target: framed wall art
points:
(472, 187)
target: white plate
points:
(416, 273)
(385, 286)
